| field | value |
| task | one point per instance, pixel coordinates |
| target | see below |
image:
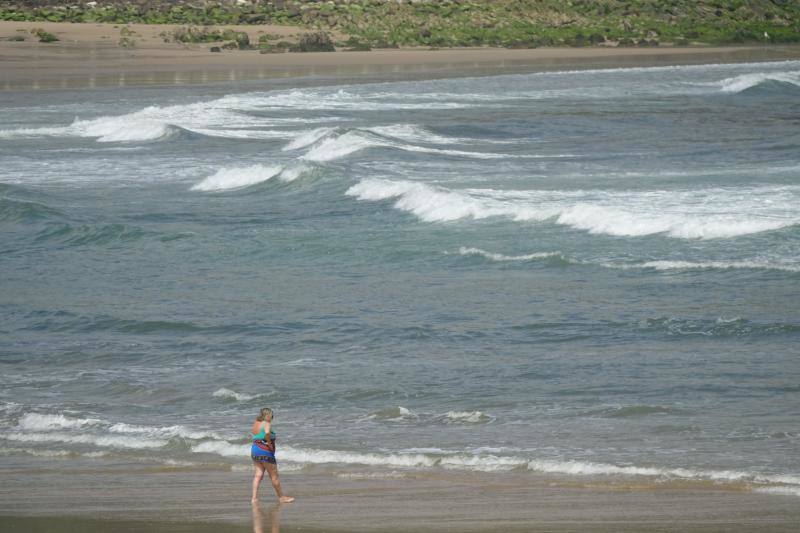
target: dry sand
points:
(89, 55)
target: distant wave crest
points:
(763, 81)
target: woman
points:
(263, 454)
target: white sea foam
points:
(618, 221)
(477, 460)
(215, 117)
(244, 133)
(785, 491)
(308, 138)
(35, 452)
(328, 146)
(339, 99)
(467, 417)
(398, 413)
(313, 456)
(106, 129)
(222, 447)
(236, 178)
(336, 147)
(500, 257)
(662, 265)
(42, 422)
(292, 172)
(370, 475)
(743, 82)
(429, 203)
(415, 134)
(229, 394)
(162, 432)
(595, 469)
(242, 115)
(692, 214)
(719, 265)
(110, 441)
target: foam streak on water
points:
(564, 274)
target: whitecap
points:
(502, 258)
(718, 265)
(110, 441)
(44, 422)
(228, 394)
(237, 177)
(307, 138)
(685, 214)
(743, 82)
(316, 456)
(162, 432)
(466, 417)
(398, 413)
(336, 147)
(587, 468)
(222, 447)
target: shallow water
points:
(576, 273)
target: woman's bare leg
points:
(272, 470)
(258, 474)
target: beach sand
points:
(61, 497)
(88, 55)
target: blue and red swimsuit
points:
(263, 449)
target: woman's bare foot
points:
(286, 499)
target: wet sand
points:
(60, 497)
(88, 55)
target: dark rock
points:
(215, 49)
(314, 42)
(243, 40)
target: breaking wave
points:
(762, 82)
(504, 258)
(228, 394)
(111, 441)
(237, 178)
(484, 462)
(40, 422)
(711, 265)
(105, 129)
(70, 430)
(466, 417)
(328, 144)
(585, 468)
(672, 213)
(393, 414)
(663, 265)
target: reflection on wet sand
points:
(272, 517)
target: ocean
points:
(589, 274)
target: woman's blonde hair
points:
(264, 413)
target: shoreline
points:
(88, 56)
(138, 497)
